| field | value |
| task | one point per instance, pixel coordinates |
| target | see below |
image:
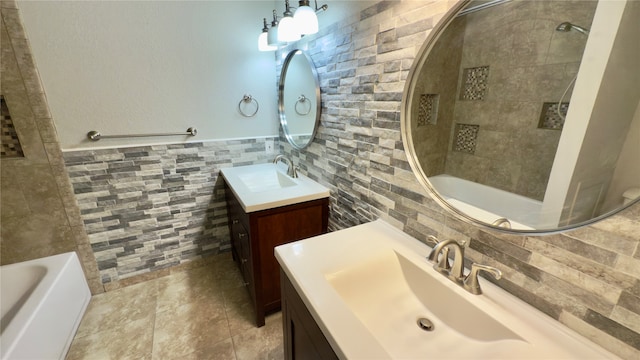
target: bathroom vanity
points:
(264, 213)
(369, 292)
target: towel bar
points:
(95, 135)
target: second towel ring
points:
(302, 99)
(248, 99)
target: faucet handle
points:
(444, 263)
(433, 255)
(470, 282)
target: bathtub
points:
(42, 303)
(486, 203)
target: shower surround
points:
(507, 77)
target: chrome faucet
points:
(291, 169)
(456, 272)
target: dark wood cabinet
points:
(303, 339)
(254, 235)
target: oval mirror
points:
(524, 116)
(299, 99)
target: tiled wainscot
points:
(151, 207)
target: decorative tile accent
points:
(428, 109)
(147, 208)
(466, 138)
(549, 118)
(475, 83)
(10, 143)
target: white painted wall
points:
(131, 67)
(152, 66)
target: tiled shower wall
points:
(39, 216)
(151, 207)
(588, 279)
(506, 79)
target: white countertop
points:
(311, 262)
(253, 198)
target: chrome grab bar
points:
(95, 135)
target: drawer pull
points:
(243, 261)
(242, 235)
(235, 221)
(246, 284)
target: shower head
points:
(567, 26)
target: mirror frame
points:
(281, 89)
(407, 138)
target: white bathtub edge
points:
(47, 321)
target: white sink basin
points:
(368, 285)
(266, 181)
(267, 186)
(390, 281)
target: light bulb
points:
(263, 43)
(287, 30)
(306, 20)
(272, 37)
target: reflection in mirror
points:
(525, 114)
(299, 99)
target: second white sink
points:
(266, 180)
(368, 286)
(267, 186)
(388, 294)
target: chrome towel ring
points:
(301, 100)
(248, 99)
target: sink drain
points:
(425, 324)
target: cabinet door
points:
(303, 339)
(276, 228)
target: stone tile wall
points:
(39, 216)
(152, 207)
(588, 279)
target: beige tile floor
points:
(199, 313)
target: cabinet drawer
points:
(240, 236)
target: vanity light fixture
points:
(263, 42)
(272, 37)
(287, 29)
(292, 26)
(306, 18)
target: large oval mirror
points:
(524, 115)
(299, 99)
